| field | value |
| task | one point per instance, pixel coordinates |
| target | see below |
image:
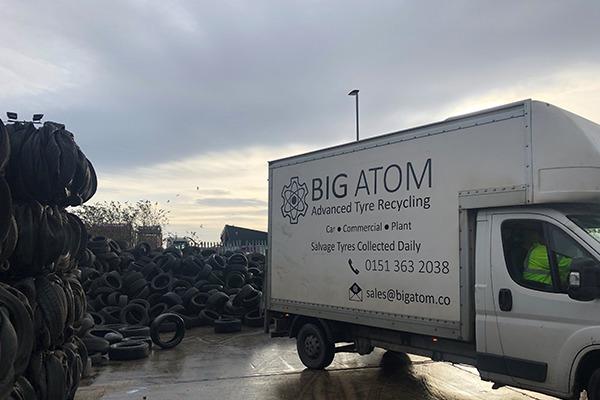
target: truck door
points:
(530, 259)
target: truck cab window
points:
(589, 223)
(565, 251)
(539, 255)
(526, 254)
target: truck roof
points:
(559, 151)
(408, 130)
(450, 120)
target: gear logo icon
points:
(294, 200)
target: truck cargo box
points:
(375, 232)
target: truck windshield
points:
(589, 222)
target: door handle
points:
(505, 300)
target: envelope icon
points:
(355, 293)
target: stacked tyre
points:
(134, 287)
(42, 302)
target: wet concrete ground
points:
(251, 365)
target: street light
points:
(355, 94)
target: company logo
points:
(294, 200)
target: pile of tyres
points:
(141, 292)
(42, 301)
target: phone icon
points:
(356, 271)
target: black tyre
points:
(193, 321)
(113, 337)
(95, 344)
(209, 286)
(142, 302)
(161, 283)
(55, 377)
(217, 301)
(227, 325)
(171, 299)
(20, 316)
(593, 387)
(99, 360)
(237, 259)
(135, 330)
(113, 280)
(134, 314)
(146, 339)
(112, 315)
(314, 349)
(217, 262)
(235, 280)
(157, 310)
(209, 316)
(84, 325)
(8, 348)
(144, 247)
(129, 350)
(98, 318)
(254, 319)
(52, 302)
(188, 295)
(23, 389)
(197, 303)
(230, 309)
(167, 318)
(247, 291)
(101, 332)
(252, 301)
(137, 287)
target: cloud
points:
(212, 192)
(143, 83)
(234, 192)
(189, 100)
(230, 202)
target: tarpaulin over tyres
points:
(47, 166)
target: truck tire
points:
(593, 387)
(314, 349)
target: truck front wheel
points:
(593, 387)
(314, 349)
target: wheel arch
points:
(584, 365)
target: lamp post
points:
(355, 94)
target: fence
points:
(257, 246)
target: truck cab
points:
(538, 328)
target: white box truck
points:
(473, 240)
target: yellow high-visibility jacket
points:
(537, 265)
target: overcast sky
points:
(185, 102)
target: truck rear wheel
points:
(593, 387)
(314, 349)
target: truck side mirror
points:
(583, 280)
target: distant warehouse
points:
(236, 236)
